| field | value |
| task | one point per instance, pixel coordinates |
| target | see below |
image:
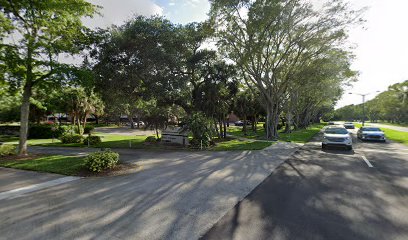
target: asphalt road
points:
(327, 195)
(175, 195)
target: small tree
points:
(44, 29)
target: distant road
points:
(397, 128)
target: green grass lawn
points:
(392, 124)
(66, 165)
(108, 141)
(396, 136)
(235, 144)
(297, 136)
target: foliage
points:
(71, 138)
(151, 139)
(200, 126)
(272, 43)
(390, 105)
(88, 129)
(43, 131)
(92, 140)
(7, 149)
(99, 161)
(44, 30)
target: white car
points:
(371, 133)
(349, 125)
(337, 136)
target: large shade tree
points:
(38, 32)
(270, 40)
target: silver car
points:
(337, 136)
(371, 133)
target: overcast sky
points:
(381, 48)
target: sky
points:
(380, 46)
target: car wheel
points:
(349, 148)
(324, 146)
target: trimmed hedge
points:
(99, 161)
(7, 149)
(71, 138)
(93, 140)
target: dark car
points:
(241, 123)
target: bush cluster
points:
(99, 161)
(43, 131)
(71, 138)
(7, 149)
(200, 127)
(151, 139)
(92, 140)
(88, 129)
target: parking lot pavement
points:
(331, 194)
(13, 178)
(176, 195)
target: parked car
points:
(337, 136)
(371, 133)
(349, 125)
(331, 123)
(241, 123)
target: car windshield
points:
(371, 129)
(336, 131)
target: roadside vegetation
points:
(388, 107)
(298, 136)
(155, 73)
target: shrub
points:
(7, 149)
(88, 129)
(200, 127)
(99, 161)
(93, 140)
(71, 138)
(151, 139)
(44, 131)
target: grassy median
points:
(297, 136)
(66, 165)
(236, 144)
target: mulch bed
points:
(118, 170)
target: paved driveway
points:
(177, 195)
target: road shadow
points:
(313, 196)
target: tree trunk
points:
(84, 124)
(157, 131)
(25, 111)
(216, 128)
(79, 125)
(272, 121)
(225, 129)
(288, 123)
(245, 125)
(96, 119)
(132, 123)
